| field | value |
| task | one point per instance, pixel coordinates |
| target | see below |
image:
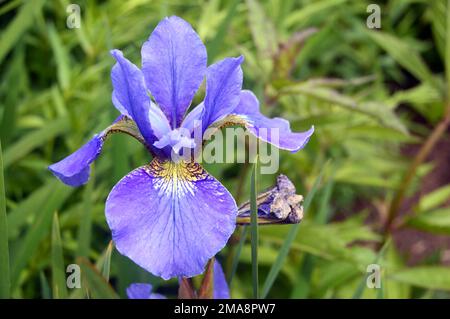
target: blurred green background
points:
(378, 100)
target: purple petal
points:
(142, 291)
(74, 169)
(130, 97)
(223, 86)
(170, 218)
(221, 290)
(275, 131)
(174, 63)
(194, 115)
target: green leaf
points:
(262, 28)
(447, 50)
(106, 261)
(94, 282)
(58, 269)
(363, 284)
(20, 215)
(313, 8)
(215, 44)
(237, 255)
(284, 250)
(34, 139)
(434, 199)
(38, 230)
(5, 283)
(45, 287)
(61, 57)
(378, 111)
(436, 221)
(22, 21)
(404, 54)
(254, 229)
(85, 228)
(430, 277)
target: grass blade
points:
(58, 274)
(85, 229)
(284, 250)
(363, 284)
(45, 288)
(96, 284)
(106, 266)
(447, 48)
(38, 230)
(5, 284)
(238, 254)
(254, 230)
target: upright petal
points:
(189, 121)
(276, 131)
(221, 290)
(170, 218)
(223, 86)
(174, 63)
(130, 97)
(142, 291)
(74, 169)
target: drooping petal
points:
(275, 131)
(174, 64)
(74, 169)
(130, 97)
(223, 86)
(221, 290)
(170, 218)
(142, 291)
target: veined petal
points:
(170, 218)
(275, 131)
(174, 64)
(142, 291)
(74, 169)
(130, 97)
(223, 86)
(221, 290)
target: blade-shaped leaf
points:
(5, 284)
(58, 273)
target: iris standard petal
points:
(174, 64)
(130, 95)
(275, 131)
(142, 291)
(74, 169)
(221, 290)
(170, 218)
(223, 86)
(189, 121)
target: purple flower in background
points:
(170, 216)
(220, 287)
(142, 291)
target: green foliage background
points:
(369, 93)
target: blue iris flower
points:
(170, 216)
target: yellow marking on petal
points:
(175, 178)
